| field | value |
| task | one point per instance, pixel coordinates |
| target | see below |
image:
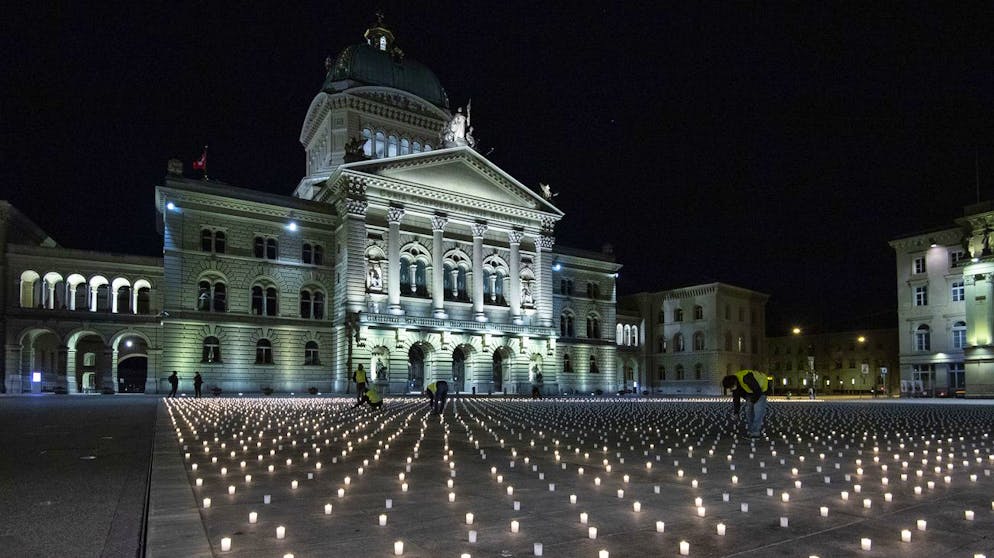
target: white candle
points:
(684, 548)
(660, 526)
(327, 509)
(281, 532)
(922, 524)
(583, 517)
(744, 507)
(905, 535)
(572, 498)
(383, 519)
(537, 549)
(293, 484)
(784, 497)
(389, 503)
(621, 493)
(403, 487)
(592, 532)
(517, 505)
(231, 489)
(845, 496)
(253, 517)
(701, 511)
(721, 529)
(398, 548)
(968, 515)
(226, 544)
(341, 492)
(200, 482)
(515, 526)
(207, 503)
(602, 554)
(824, 511)
(267, 499)
(783, 522)
(452, 496)
(637, 506)
(469, 518)
(472, 536)
(865, 543)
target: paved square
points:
(648, 475)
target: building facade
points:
(401, 249)
(841, 363)
(693, 336)
(946, 307)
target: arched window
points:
(593, 365)
(698, 312)
(220, 242)
(699, 341)
(959, 335)
(264, 300)
(318, 306)
(29, 281)
(566, 328)
(305, 304)
(619, 335)
(392, 146)
(311, 354)
(206, 240)
(678, 315)
(594, 327)
(417, 147)
(635, 336)
(311, 304)
(628, 335)
(698, 371)
(678, 344)
(143, 302)
(306, 253)
(263, 352)
(380, 147)
(454, 283)
(367, 143)
(426, 148)
(923, 338)
(212, 350)
(405, 146)
(211, 296)
(259, 247)
(679, 372)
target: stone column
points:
(478, 230)
(543, 280)
(438, 268)
(514, 296)
(14, 375)
(394, 215)
(71, 384)
(113, 370)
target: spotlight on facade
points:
(556, 266)
(291, 226)
(171, 206)
(129, 343)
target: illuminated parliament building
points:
(402, 249)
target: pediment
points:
(460, 171)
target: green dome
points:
(363, 64)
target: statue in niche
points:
(374, 280)
(381, 370)
(526, 295)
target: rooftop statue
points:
(459, 132)
(547, 192)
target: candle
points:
(293, 484)
(592, 532)
(865, 543)
(845, 496)
(905, 535)
(824, 511)
(572, 498)
(452, 496)
(281, 532)
(583, 517)
(472, 536)
(231, 489)
(744, 507)
(684, 548)
(660, 526)
(537, 549)
(867, 503)
(266, 499)
(922, 524)
(398, 548)
(510, 490)
(517, 505)
(469, 518)
(403, 487)
(226, 544)
(968, 515)
(383, 519)
(783, 522)
(253, 517)
(621, 493)
(784, 497)
(207, 503)
(721, 529)
(341, 492)
(602, 554)
(637, 506)
(200, 482)
(327, 509)
(700, 511)
(515, 526)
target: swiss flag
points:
(201, 164)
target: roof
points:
(362, 64)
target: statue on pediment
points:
(458, 132)
(547, 192)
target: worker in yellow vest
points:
(437, 393)
(360, 382)
(751, 385)
(370, 396)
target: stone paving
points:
(585, 477)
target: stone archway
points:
(42, 363)
(501, 368)
(416, 358)
(460, 356)
(132, 364)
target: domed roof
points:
(379, 62)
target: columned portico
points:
(543, 245)
(438, 223)
(514, 241)
(394, 215)
(478, 231)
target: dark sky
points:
(773, 146)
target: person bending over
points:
(370, 396)
(437, 393)
(752, 386)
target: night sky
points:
(777, 147)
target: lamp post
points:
(352, 333)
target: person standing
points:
(437, 393)
(198, 381)
(174, 382)
(753, 386)
(360, 382)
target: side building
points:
(692, 336)
(839, 363)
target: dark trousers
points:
(360, 390)
(172, 392)
(196, 390)
(441, 394)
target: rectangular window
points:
(959, 338)
(921, 295)
(959, 294)
(919, 265)
(957, 376)
(955, 257)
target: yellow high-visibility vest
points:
(760, 377)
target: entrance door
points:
(131, 374)
(923, 380)
(416, 369)
(458, 370)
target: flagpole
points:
(205, 163)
